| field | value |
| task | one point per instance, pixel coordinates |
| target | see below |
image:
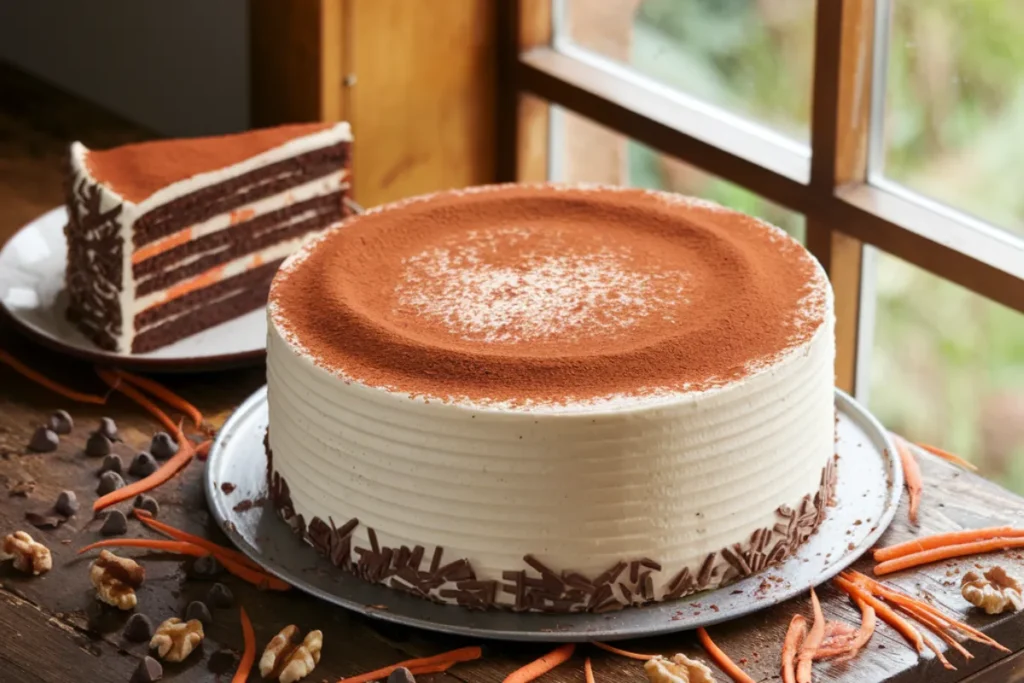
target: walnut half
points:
(30, 556)
(116, 579)
(679, 669)
(995, 592)
(175, 639)
(287, 662)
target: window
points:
(887, 132)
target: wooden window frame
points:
(845, 204)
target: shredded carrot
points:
(858, 592)
(624, 653)
(249, 653)
(811, 643)
(947, 552)
(44, 381)
(864, 633)
(839, 636)
(257, 578)
(949, 538)
(721, 659)
(177, 547)
(795, 635)
(166, 395)
(114, 381)
(542, 665)
(903, 600)
(936, 626)
(146, 518)
(911, 476)
(588, 671)
(420, 665)
(948, 457)
(166, 471)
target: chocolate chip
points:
(143, 465)
(67, 503)
(109, 482)
(401, 675)
(206, 567)
(147, 503)
(223, 661)
(148, 671)
(112, 463)
(61, 423)
(115, 524)
(198, 610)
(108, 428)
(97, 445)
(138, 628)
(44, 440)
(220, 596)
(163, 446)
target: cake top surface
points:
(549, 294)
(138, 170)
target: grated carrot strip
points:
(811, 643)
(795, 635)
(420, 665)
(44, 381)
(721, 659)
(249, 653)
(114, 381)
(911, 476)
(541, 665)
(161, 392)
(944, 539)
(623, 653)
(177, 534)
(945, 553)
(948, 457)
(588, 671)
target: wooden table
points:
(55, 631)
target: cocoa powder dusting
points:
(137, 171)
(547, 294)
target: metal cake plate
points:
(868, 492)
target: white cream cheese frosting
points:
(684, 490)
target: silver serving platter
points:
(868, 492)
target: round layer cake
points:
(552, 398)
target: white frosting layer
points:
(131, 211)
(671, 477)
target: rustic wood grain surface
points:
(54, 630)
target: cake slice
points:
(169, 238)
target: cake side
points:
(637, 505)
(204, 249)
(538, 492)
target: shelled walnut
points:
(995, 592)
(175, 639)
(287, 662)
(30, 556)
(679, 669)
(116, 579)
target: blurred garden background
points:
(947, 365)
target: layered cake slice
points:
(169, 238)
(547, 398)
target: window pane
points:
(749, 56)
(954, 119)
(947, 368)
(587, 152)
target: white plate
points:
(32, 294)
(869, 482)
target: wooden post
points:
(415, 79)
